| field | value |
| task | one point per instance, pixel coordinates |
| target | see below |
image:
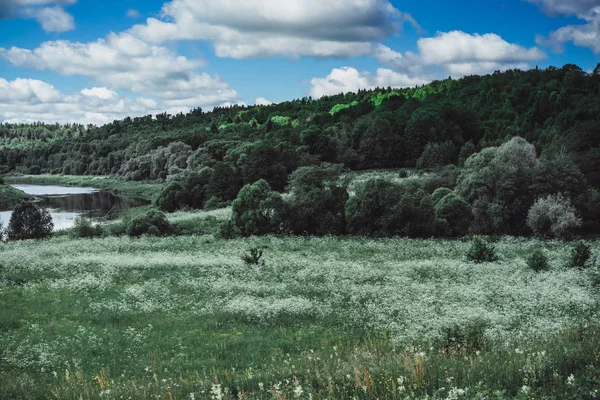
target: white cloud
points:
(586, 34)
(49, 13)
(459, 54)
(125, 62)
(460, 47)
(347, 79)
(29, 100)
(131, 13)
(54, 19)
(261, 101)
(266, 28)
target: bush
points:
(84, 228)
(258, 210)
(538, 261)
(553, 216)
(29, 222)
(317, 201)
(253, 257)
(172, 197)
(383, 208)
(152, 223)
(580, 255)
(228, 230)
(481, 251)
(456, 211)
(439, 194)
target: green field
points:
(338, 318)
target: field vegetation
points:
(185, 317)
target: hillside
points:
(209, 156)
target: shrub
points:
(228, 230)
(253, 257)
(317, 201)
(481, 251)
(29, 222)
(538, 261)
(553, 216)
(84, 228)
(152, 223)
(383, 208)
(456, 211)
(258, 210)
(580, 255)
(172, 197)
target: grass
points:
(10, 197)
(113, 184)
(340, 318)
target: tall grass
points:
(184, 317)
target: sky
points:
(93, 62)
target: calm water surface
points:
(66, 203)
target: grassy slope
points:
(338, 318)
(10, 197)
(113, 184)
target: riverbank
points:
(109, 183)
(10, 197)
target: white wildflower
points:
(571, 380)
(215, 392)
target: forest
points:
(515, 152)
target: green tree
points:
(258, 210)
(29, 222)
(318, 196)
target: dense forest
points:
(515, 152)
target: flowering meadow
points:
(318, 318)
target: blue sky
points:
(92, 62)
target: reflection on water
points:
(66, 203)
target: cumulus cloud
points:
(49, 13)
(266, 28)
(30, 100)
(586, 34)
(347, 79)
(459, 53)
(125, 62)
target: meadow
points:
(339, 318)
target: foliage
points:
(481, 250)
(253, 257)
(10, 197)
(553, 216)
(84, 228)
(317, 199)
(383, 208)
(29, 222)
(437, 155)
(258, 210)
(580, 255)
(151, 223)
(456, 211)
(538, 261)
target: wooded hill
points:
(212, 155)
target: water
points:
(66, 203)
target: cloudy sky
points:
(95, 61)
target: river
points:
(66, 203)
